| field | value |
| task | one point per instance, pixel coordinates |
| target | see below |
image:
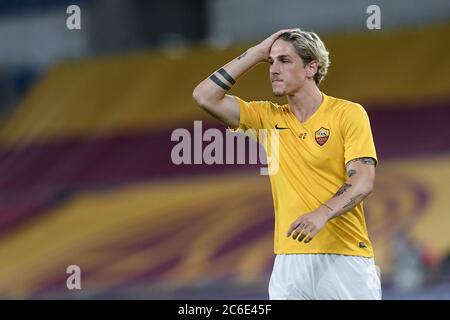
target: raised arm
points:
(211, 95)
(361, 177)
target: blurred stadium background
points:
(86, 118)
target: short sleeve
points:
(358, 140)
(252, 114)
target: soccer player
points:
(327, 163)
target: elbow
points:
(368, 187)
(196, 95)
(363, 186)
(199, 97)
(369, 191)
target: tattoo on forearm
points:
(342, 189)
(331, 209)
(219, 82)
(242, 55)
(352, 201)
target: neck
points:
(305, 101)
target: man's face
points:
(287, 72)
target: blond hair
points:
(309, 47)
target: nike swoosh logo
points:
(280, 128)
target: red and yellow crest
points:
(322, 136)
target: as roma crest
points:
(322, 136)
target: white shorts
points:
(324, 277)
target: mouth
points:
(277, 80)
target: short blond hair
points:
(309, 47)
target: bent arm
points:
(361, 177)
(211, 95)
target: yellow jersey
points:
(312, 158)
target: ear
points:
(311, 68)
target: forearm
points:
(361, 177)
(209, 89)
(354, 190)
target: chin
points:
(278, 93)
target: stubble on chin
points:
(278, 94)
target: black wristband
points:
(227, 76)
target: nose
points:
(274, 70)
